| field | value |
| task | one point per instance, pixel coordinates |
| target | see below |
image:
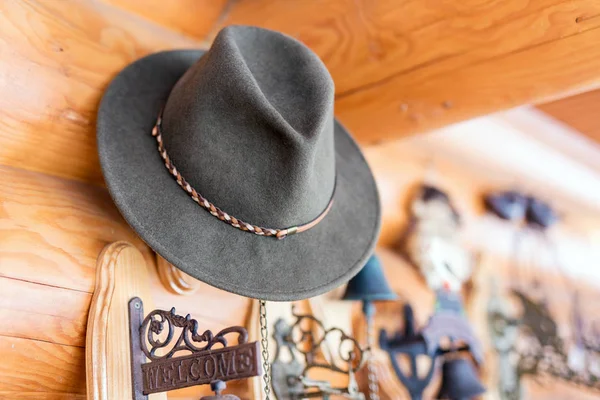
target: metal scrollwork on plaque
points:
(181, 357)
(300, 348)
(188, 340)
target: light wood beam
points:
(403, 68)
(195, 18)
(579, 111)
(35, 366)
(400, 68)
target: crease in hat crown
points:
(250, 126)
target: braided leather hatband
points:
(216, 211)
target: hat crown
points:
(250, 126)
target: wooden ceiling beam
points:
(400, 68)
(195, 18)
(407, 67)
(579, 112)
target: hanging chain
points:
(373, 386)
(264, 342)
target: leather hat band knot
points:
(220, 214)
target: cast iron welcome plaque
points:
(154, 338)
(201, 368)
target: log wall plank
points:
(366, 43)
(46, 328)
(21, 395)
(34, 366)
(48, 325)
(58, 56)
(52, 230)
(45, 313)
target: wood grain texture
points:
(232, 309)
(46, 328)
(175, 280)
(121, 275)
(98, 361)
(195, 18)
(22, 395)
(52, 230)
(456, 95)
(43, 313)
(406, 67)
(62, 56)
(579, 111)
(34, 366)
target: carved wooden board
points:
(121, 275)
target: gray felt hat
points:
(247, 149)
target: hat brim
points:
(173, 225)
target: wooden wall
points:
(56, 58)
(51, 232)
(578, 112)
(400, 68)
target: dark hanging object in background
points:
(411, 344)
(369, 284)
(542, 351)
(432, 240)
(538, 320)
(459, 380)
(449, 321)
(431, 193)
(540, 214)
(509, 205)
